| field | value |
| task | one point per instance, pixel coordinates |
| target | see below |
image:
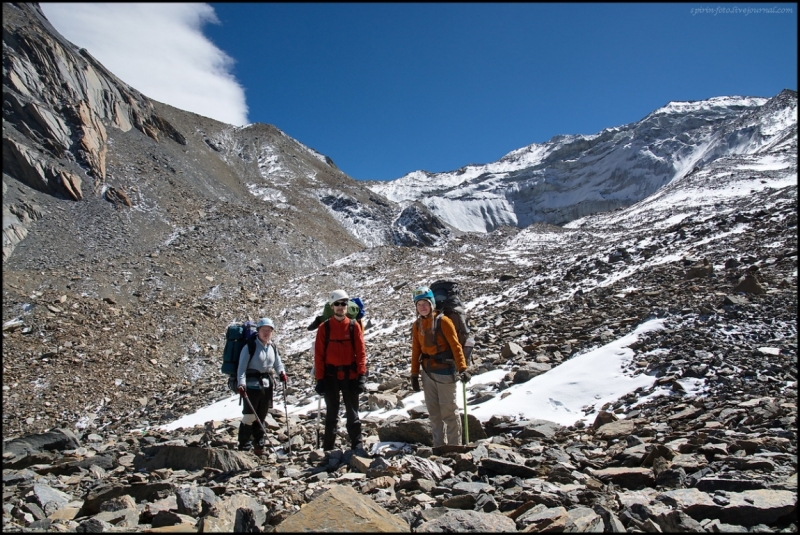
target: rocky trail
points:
(721, 460)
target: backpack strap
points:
(441, 357)
(437, 327)
(251, 347)
(353, 336)
(353, 365)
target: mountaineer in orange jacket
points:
(436, 350)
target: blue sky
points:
(387, 89)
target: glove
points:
(464, 376)
(242, 390)
(320, 388)
(284, 378)
(314, 324)
(415, 383)
(361, 387)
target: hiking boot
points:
(245, 433)
(259, 444)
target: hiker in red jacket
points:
(340, 366)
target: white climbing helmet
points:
(337, 295)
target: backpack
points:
(361, 311)
(237, 336)
(448, 301)
(355, 311)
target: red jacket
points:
(340, 350)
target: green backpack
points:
(352, 311)
(355, 311)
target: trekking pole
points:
(466, 420)
(289, 437)
(247, 399)
(319, 410)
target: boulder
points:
(343, 509)
(468, 522)
(412, 431)
(192, 458)
(56, 439)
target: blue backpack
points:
(237, 336)
(361, 310)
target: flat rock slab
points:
(192, 458)
(469, 522)
(747, 508)
(508, 468)
(57, 439)
(343, 509)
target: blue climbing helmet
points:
(423, 292)
(265, 322)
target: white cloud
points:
(160, 50)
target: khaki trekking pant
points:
(440, 400)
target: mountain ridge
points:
(116, 302)
(557, 181)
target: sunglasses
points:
(419, 291)
(340, 304)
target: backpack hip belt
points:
(331, 370)
(442, 358)
(260, 376)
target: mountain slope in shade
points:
(73, 131)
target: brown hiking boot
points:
(258, 450)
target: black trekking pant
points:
(347, 389)
(262, 402)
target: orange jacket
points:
(446, 337)
(340, 350)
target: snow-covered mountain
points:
(618, 356)
(573, 176)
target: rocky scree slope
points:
(114, 317)
(719, 458)
(109, 197)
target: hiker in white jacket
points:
(255, 382)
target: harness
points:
(441, 357)
(330, 369)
